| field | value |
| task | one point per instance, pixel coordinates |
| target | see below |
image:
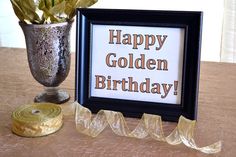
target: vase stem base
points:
(52, 95)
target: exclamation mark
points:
(175, 87)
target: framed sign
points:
(138, 61)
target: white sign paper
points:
(137, 63)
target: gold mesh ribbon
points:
(149, 125)
(36, 120)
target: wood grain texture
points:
(216, 117)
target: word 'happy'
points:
(137, 39)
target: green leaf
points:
(86, 3)
(71, 6)
(59, 8)
(29, 9)
(18, 11)
(47, 11)
(47, 16)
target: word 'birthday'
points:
(129, 85)
(136, 40)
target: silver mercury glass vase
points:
(48, 51)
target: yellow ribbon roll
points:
(36, 120)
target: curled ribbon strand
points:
(149, 125)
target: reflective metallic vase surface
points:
(48, 51)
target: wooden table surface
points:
(216, 117)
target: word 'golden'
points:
(138, 63)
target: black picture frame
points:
(190, 20)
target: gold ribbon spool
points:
(36, 120)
